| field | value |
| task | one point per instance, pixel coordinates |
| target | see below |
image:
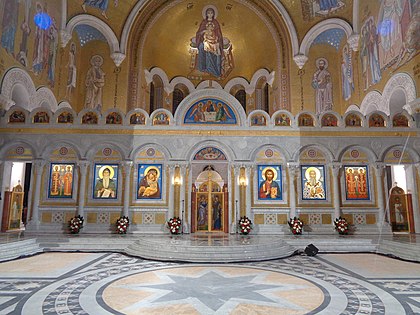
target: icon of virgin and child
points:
(213, 51)
(149, 184)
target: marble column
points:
(293, 172)
(83, 167)
(248, 170)
(379, 172)
(336, 188)
(127, 167)
(1, 187)
(236, 213)
(182, 210)
(171, 200)
(415, 197)
(38, 170)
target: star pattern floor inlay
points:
(111, 283)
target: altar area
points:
(208, 247)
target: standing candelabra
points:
(236, 218)
(182, 218)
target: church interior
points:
(270, 144)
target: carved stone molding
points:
(373, 98)
(118, 58)
(5, 103)
(399, 81)
(353, 41)
(376, 145)
(45, 95)
(17, 76)
(300, 60)
(65, 37)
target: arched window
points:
(397, 101)
(179, 93)
(238, 91)
(156, 93)
(177, 98)
(241, 97)
(261, 95)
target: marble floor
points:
(113, 283)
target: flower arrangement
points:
(296, 226)
(174, 225)
(122, 224)
(245, 225)
(76, 224)
(341, 226)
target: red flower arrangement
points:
(174, 225)
(341, 226)
(76, 224)
(122, 225)
(296, 226)
(245, 225)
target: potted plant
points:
(122, 224)
(75, 224)
(296, 226)
(245, 225)
(341, 226)
(174, 225)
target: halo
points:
(204, 12)
(101, 170)
(324, 60)
(317, 172)
(96, 57)
(151, 168)
(269, 168)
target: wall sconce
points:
(177, 181)
(243, 181)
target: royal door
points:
(209, 203)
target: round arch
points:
(216, 93)
(320, 28)
(329, 156)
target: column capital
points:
(293, 168)
(300, 60)
(39, 163)
(83, 166)
(336, 167)
(417, 166)
(127, 163)
(353, 41)
(379, 167)
(65, 37)
(236, 167)
(118, 58)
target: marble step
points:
(19, 249)
(400, 250)
(116, 243)
(335, 245)
(183, 251)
